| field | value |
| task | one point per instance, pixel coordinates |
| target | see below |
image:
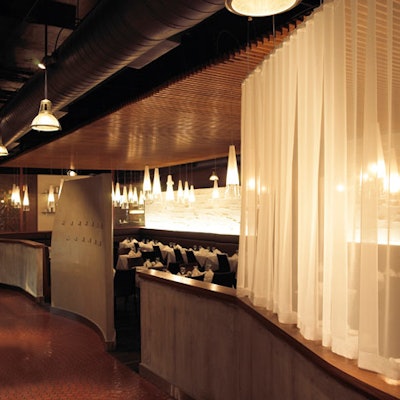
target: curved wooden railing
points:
(201, 341)
(25, 264)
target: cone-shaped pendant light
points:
(169, 195)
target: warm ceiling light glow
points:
(215, 191)
(214, 176)
(156, 184)
(135, 196)
(117, 195)
(45, 121)
(192, 196)
(141, 198)
(180, 191)
(169, 194)
(259, 8)
(146, 180)
(232, 174)
(124, 198)
(131, 197)
(186, 192)
(3, 149)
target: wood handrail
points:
(29, 243)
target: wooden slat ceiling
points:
(192, 119)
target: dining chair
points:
(158, 254)
(224, 278)
(173, 267)
(191, 258)
(223, 263)
(135, 262)
(149, 255)
(178, 256)
(125, 286)
(123, 250)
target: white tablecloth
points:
(204, 256)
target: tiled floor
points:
(45, 356)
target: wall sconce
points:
(25, 200)
(51, 201)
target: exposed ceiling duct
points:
(114, 35)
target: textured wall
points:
(214, 349)
(21, 265)
(204, 215)
(81, 252)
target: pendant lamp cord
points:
(45, 51)
(273, 30)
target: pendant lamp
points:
(113, 194)
(192, 197)
(146, 182)
(3, 149)
(232, 174)
(130, 194)
(124, 199)
(180, 192)
(213, 176)
(141, 198)
(45, 120)
(259, 8)
(186, 192)
(117, 195)
(156, 185)
(135, 196)
(215, 191)
(169, 195)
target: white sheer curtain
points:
(320, 225)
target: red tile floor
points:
(46, 356)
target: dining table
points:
(206, 256)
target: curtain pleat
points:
(320, 227)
